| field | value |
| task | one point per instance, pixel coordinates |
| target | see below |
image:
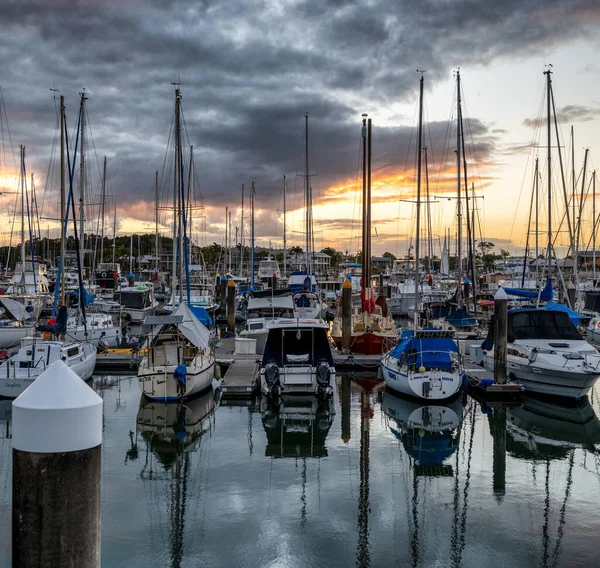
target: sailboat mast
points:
(548, 72)
(364, 245)
(581, 202)
(226, 256)
(458, 201)
(307, 200)
(594, 228)
(102, 205)
(176, 198)
(156, 237)
(284, 231)
(180, 197)
(190, 196)
(229, 245)
(367, 227)
(22, 176)
(242, 235)
(114, 247)
(252, 195)
(82, 176)
(428, 208)
(63, 204)
(418, 223)
(537, 235)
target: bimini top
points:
(431, 353)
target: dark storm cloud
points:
(249, 72)
(567, 114)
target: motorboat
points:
(307, 305)
(137, 302)
(180, 359)
(98, 327)
(106, 275)
(297, 359)
(546, 354)
(35, 355)
(264, 312)
(425, 364)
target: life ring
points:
(104, 275)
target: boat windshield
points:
(134, 300)
(541, 324)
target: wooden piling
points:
(231, 306)
(346, 315)
(57, 442)
(500, 331)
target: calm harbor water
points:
(368, 480)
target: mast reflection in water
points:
(171, 433)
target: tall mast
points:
(114, 247)
(364, 245)
(284, 231)
(548, 72)
(229, 245)
(574, 194)
(63, 205)
(367, 227)
(242, 235)
(226, 256)
(458, 201)
(176, 202)
(581, 202)
(428, 208)
(180, 201)
(308, 201)
(22, 176)
(82, 176)
(190, 197)
(102, 205)
(594, 228)
(537, 236)
(418, 228)
(156, 237)
(252, 195)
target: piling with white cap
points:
(500, 331)
(57, 440)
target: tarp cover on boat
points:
(545, 295)
(460, 318)
(194, 331)
(431, 353)
(16, 309)
(202, 315)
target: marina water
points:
(215, 484)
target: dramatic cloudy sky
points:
(249, 71)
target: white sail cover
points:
(194, 331)
(16, 309)
(445, 264)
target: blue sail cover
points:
(545, 295)
(460, 318)
(431, 353)
(202, 315)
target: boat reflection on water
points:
(172, 432)
(427, 432)
(542, 428)
(297, 426)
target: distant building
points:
(321, 262)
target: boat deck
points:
(241, 378)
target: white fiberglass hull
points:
(10, 336)
(297, 380)
(546, 379)
(158, 382)
(432, 384)
(15, 379)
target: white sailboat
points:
(426, 362)
(180, 360)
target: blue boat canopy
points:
(431, 353)
(545, 294)
(460, 318)
(202, 315)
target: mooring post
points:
(346, 315)
(498, 430)
(57, 440)
(346, 409)
(231, 306)
(218, 288)
(500, 331)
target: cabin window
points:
(72, 351)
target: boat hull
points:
(364, 344)
(10, 336)
(432, 384)
(158, 383)
(554, 382)
(12, 385)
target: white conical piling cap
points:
(501, 294)
(57, 413)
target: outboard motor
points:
(272, 377)
(323, 372)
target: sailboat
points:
(426, 363)
(545, 351)
(373, 329)
(180, 359)
(36, 354)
